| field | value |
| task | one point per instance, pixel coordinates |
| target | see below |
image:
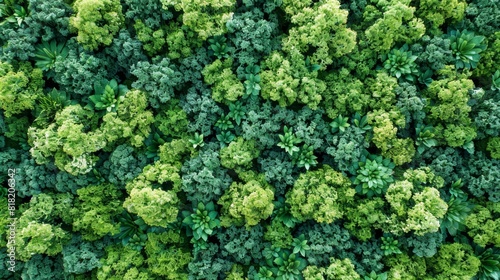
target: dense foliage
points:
(250, 139)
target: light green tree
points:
(96, 22)
(320, 195)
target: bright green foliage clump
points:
(345, 94)
(122, 262)
(400, 151)
(68, 141)
(166, 258)
(338, 269)
(437, 12)
(494, 147)
(152, 40)
(207, 18)
(156, 207)
(39, 238)
(239, 154)
(226, 86)
(96, 22)
(19, 87)
(130, 121)
(320, 195)
(454, 261)
(71, 140)
(287, 79)
(363, 217)
(92, 215)
(451, 110)
(391, 21)
(483, 224)
(319, 29)
(415, 203)
(247, 203)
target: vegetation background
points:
(251, 139)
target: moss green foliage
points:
(338, 269)
(226, 86)
(320, 195)
(391, 22)
(482, 224)
(494, 147)
(310, 24)
(466, 47)
(246, 203)
(207, 18)
(436, 13)
(415, 203)
(250, 139)
(93, 216)
(72, 125)
(454, 260)
(96, 22)
(238, 154)
(451, 111)
(20, 85)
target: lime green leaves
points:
(96, 22)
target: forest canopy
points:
(250, 139)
